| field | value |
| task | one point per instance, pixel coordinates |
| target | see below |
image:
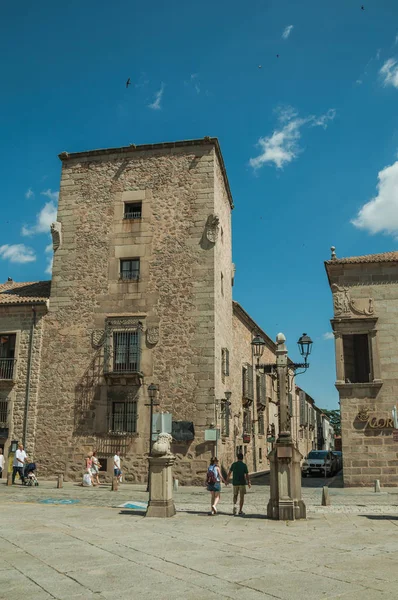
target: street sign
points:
(212, 435)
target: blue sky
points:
(308, 139)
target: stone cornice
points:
(206, 141)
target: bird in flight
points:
(260, 66)
(277, 56)
(128, 82)
(362, 7)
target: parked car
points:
(321, 462)
(339, 456)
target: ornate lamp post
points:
(285, 502)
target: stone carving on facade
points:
(344, 306)
(56, 234)
(98, 338)
(212, 228)
(363, 414)
(152, 335)
(123, 322)
(162, 445)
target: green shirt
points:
(239, 470)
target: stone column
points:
(161, 503)
(285, 503)
(338, 341)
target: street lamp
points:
(285, 482)
(153, 397)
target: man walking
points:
(19, 463)
(239, 481)
(116, 466)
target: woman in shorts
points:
(213, 481)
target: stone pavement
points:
(89, 550)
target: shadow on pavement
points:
(306, 482)
(380, 517)
(133, 513)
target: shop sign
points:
(395, 435)
(246, 438)
(374, 421)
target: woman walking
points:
(213, 481)
(95, 467)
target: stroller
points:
(30, 475)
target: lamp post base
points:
(285, 503)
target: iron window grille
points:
(225, 416)
(261, 425)
(7, 355)
(225, 361)
(122, 352)
(133, 210)
(247, 382)
(130, 269)
(3, 413)
(123, 417)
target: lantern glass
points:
(153, 392)
(258, 346)
(305, 346)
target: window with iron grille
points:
(7, 355)
(126, 351)
(224, 361)
(130, 269)
(247, 422)
(247, 382)
(124, 417)
(261, 390)
(3, 413)
(261, 426)
(290, 400)
(225, 416)
(133, 210)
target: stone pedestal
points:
(285, 503)
(161, 503)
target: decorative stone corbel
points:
(56, 234)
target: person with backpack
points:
(239, 481)
(213, 482)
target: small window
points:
(133, 210)
(260, 455)
(124, 417)
(247, 382)
(130, 269)
(222, 284)
(261, 427)
(7, 355)
(225, 362)
(3, 413)
(247, 422)
(357, 367)
(225, 415)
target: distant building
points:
(365, 326)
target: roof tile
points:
(367, 258)
(13, 292)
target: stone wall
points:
(369, 451)
(175, 293)
(18, 319)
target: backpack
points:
(211, 476)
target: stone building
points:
(303, 422)
(141, 293)
(365, 326)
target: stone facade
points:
(365, 325)
(21, 318)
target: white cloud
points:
(328, 335)
(396, 39)
(29, 193)
(51, 195)
(282, 147)
(287, 31)
(359, 82)
(49, 248)
(49, 267)
(380, 214)
(389, 72)
(17, 253)
(158, 99)
(45, 217)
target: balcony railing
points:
(7, 368)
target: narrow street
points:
(336, 481)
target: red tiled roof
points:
(22, 292)
(368, 258)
